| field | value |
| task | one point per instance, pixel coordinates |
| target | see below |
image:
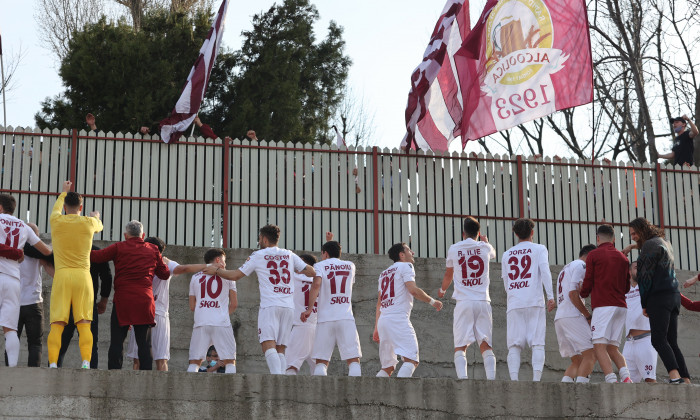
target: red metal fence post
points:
(375, 180)
(73, 157)
(521, 198)
(226, 183)
(659, 196)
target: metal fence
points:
(212, 193)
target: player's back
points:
(470, 261)
(569, 279)
(521, 274)
(335, 296)
(161, 290)
(302, 289)
(71, 238)
(14, 233)
(395, 297)
(211, 300)
(635, 315)
(274, 267)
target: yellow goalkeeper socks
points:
(54, 342)
(85, 340)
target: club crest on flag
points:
(519, 62)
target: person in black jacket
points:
(658, 289)
(101, 273)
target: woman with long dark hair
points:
(659, 293)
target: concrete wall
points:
(71, 393)
(434, 329)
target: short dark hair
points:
(157, 242)
(271, 232)
(308, 259)
(523, 228)
(395, 250)
(606, 231)
(332, 248)
(645, 230)
(471, 227)
(73, 199)
(213, 254)
(210, 350)
(8, 203)
(586, 249)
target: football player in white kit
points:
(14, 233)
(274, 267)
(525, 270)
(160, 334)
(392, 326)
(212, 300)
(640, 355)
(335, 324)
(572, 320)
(473, 321)
(301, 340)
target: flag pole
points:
(2, 82)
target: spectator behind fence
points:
(206, 131)
(683, 146)
(135, 264)
(250, 136)
(658, 289)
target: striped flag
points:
(434, 109)
(192, 95)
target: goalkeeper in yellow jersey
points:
(71, 237)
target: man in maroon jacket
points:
(135, 263)
(607, 280)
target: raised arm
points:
(188, 269)
(103, 255)
(233, 275)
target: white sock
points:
(611, 378)
(354, 369)
(12, 348)
(461, 364)
(489, 364)
(193, 368)
(320, 370)
(406, 371)
(624, 373)
(290, 371)
(537, 362)
(312, 366)
(382, 374)
(567, 379)
(582, 380)
(514, 362)
(283, 362)
(273, 361)
(230, 368)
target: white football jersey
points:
(570, 279)
(161, 290)
(274, 267)
(470, 261)
(30, 281)
(395, 298)
(525, 269)
(335, 298)
(211, 294)
(635, 316)
(14, 233)
(302, 289)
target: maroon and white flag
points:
(434, 110)
(524, 60)
(192, 95)
(339, 140)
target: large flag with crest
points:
(192, 95)
(522, 60)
